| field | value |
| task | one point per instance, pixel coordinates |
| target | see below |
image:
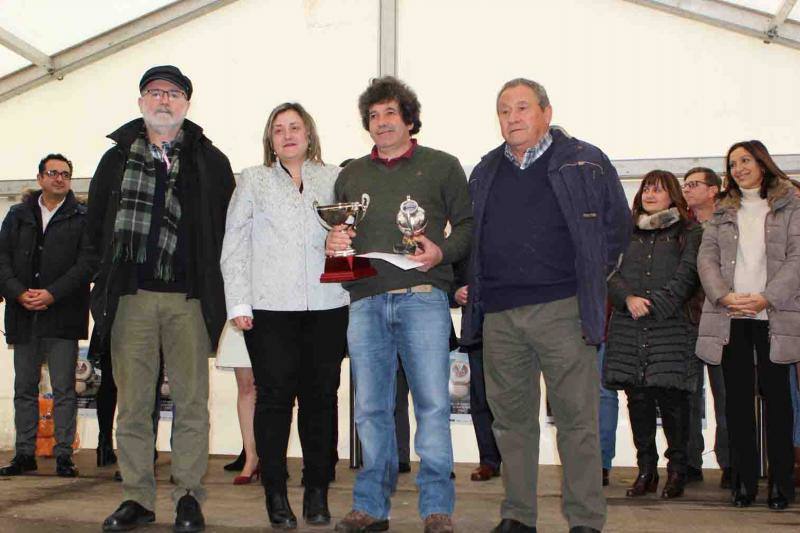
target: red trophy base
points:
(339, 269)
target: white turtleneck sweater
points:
(750, 275)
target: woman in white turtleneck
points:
(749, 265)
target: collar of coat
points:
(662, 219)
(779, 196)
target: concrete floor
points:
(45, 502)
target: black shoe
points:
(315, 506)
(509, 525)
(188, 515)
(128, 516)
(583, 529)
(65, 467)
(118, 476)
(19, 465)
(452, 475)
(237, 464)
(725, 479)
(742, 497)
(605, 477)
(776, 500)
(279, 511)
(404, 468)
(105, 454)
(694, 475)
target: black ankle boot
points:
(279, 511)
(741, 496)
(105, 451)
(315, 506)
(237, 464)
(775, 498)
(646, 481)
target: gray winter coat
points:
(717, 262)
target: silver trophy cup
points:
(411, 221)
(349, 213)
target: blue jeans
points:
(415, 325)
(795, 404)
(609, 412)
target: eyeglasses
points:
(65, 174)
(159, 94)
(693, 184)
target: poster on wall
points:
(459, 387)
(87, 383)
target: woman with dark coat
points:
(749, 263)
(651, 337)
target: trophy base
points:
(339, 269)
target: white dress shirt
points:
(46, 213)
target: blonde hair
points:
(314, 151)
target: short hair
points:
(386, 89)
(710, 177)
(58, 157)
(314, 151)
(537, 88)
(769, 169)
(669, 183)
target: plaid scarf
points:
(132, 224)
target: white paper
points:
(398, 260)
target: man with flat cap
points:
(157, 206)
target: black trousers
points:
(481, 414)
(296, 354)
(773, 382)
(674, 407)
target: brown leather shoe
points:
(484, 473)
(645, 482)
(673, 488)
(360, 522)
(438, 523)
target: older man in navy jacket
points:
(551, 220)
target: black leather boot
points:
(646, 481)
(741, 496)
(673, 488)
(315, 506)
(775, 498)
(279, 511)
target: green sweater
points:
(437, 182)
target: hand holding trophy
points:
(344, 265)
(411, 221)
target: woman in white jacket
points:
(294, 326)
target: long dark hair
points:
(669, 183)
(769, 169)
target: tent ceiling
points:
(43, 39)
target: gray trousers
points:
(697, 405)
(145, 321)
(61, 356)
(518, 346)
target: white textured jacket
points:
(274, 247)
